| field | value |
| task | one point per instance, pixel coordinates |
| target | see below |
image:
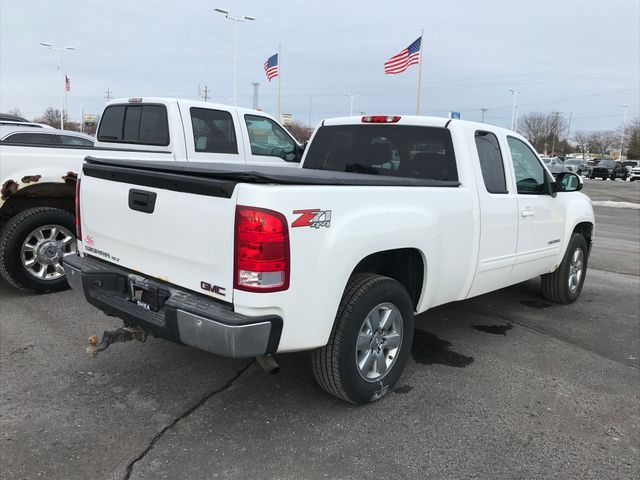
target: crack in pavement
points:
(183, 415)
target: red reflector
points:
(261, 250)
(380, 118)
(78, 226)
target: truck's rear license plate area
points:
(147, 296)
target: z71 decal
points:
(314, 218)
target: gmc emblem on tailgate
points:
(213, 289)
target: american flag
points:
(400, 62)
(67, 84)
(271, 67)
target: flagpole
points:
(279, 79)
(66, 94)
(419, 74)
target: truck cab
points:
(194, 131)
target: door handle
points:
(142, 201)
(527, 212)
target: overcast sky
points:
(579, 56)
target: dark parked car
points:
(581, 167)
(609, 169)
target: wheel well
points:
(56, 195)
(586, 230)
(405, 265)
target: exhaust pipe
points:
(268, 364)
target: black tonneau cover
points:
(235, 173)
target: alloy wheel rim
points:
(576, 268)
(43, 250)
(379, 341)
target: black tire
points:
(613, 177)
(334, 365)
(555, 285)
(12, 237)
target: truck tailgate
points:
(176, 230)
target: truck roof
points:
(416, 120)
(187, 102)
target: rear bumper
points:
(184, 317)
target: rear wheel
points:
(370, 342)
(565, 284)
(32, 246)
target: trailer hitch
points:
(120, 335)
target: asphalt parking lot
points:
(502, 386)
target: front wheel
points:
(370, 342)
(565, 284)
(32, 246)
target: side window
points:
(530, 174)
(213, 131)
(76, 141)
(32, 139)
(268, 138)
(139, 124)
(491, 162)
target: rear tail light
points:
(380, 118)
(78, 225)
(261, 250)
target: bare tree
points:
(582, 142)
(299, 131)
(51, 117)
(630, 136)
(16, 112)
(601, 142)
(543, 130)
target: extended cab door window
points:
(269, 139)
(491, 162)
(213, 131)
(530, 174)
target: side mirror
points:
(296, 155)
(568, 182)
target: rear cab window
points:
(392, 150)
(144, 124)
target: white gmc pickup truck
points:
(39, 167)
(389, 217)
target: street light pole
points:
(351, 98)
(59, 50)
(624, 128)
(235, 20)
(514, 122)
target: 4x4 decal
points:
(313, 217)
